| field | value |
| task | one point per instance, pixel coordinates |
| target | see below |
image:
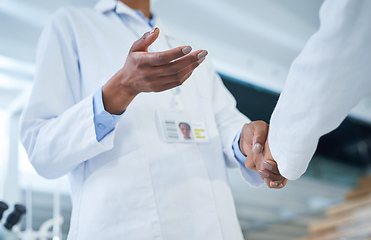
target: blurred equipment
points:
(3, 207)
(15, 216)
(349, 220)
(6, 232)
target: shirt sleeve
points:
(104, 122)
(247, 174)
(329, 77)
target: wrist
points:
(123, 84)
(241, 148)
(240, 140)
(116, 95)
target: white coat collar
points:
(104, 6)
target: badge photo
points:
(181, 127)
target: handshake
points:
(254, 145)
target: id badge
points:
(181, 127)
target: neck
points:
(142, 5)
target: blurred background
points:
(252, 44)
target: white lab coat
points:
(329, 77)
(130, 185)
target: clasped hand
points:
(254, 145)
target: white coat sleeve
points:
(229, 122)
(57, 127)
(329, 77)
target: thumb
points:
(257, 148)
(260, 136)
(142, 44)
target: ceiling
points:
(250, 40)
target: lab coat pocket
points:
(120, 192)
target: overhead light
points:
(28, 12)
(16, 65)
(9, 82)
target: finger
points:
(253, 161)
(180, 76)
(173, 84)
(245, 141)
(271, 166)
(272, 184)
(170, 85)
(166, 57)
(275, 185)
(268, 182)
(260, 131)
(278, 185)
(142, 44)
(271, 176)
(180, 64)
(257, 148)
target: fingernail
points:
(275, 184)
(201, 60)
(153, 30)
(202, 54)
(267, 165)
(187, 50)
(263, 174)
(257, 148)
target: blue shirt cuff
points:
(250, 176)
(236, 149)
(104, 122)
